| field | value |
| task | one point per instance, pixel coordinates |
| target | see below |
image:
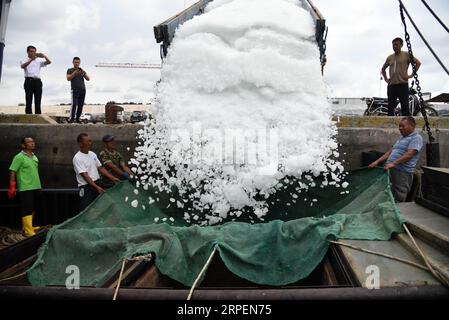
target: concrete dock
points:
(56, 143)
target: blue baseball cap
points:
(108, 138)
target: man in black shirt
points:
(76, 76)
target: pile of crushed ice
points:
(241, 105)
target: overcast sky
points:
(359, 39)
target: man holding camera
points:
(76, 76)
(33, 84)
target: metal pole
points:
(380, 86)
(4, 10)
(2, 47)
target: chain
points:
(415, 76)
(323, 58)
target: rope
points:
(422, 37)
(428, 266)
(436, 17)
(9, 237)
(381, 254)
(436, 274)
(11, 278)
(119, 280)
(201, 273)
(146, 257)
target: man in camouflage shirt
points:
(114, 162)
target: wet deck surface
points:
(391, 273)
(431, 232)
(434, 224)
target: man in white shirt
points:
(33, 84)
(86, 166)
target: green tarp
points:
(283, 249)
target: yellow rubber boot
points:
(27, 226)
(36, 229)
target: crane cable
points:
(435, 16)
(415, 73)
(402, 7)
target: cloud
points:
(82, 16)
(132, 50)
(63, 30)
(358, 42)
(106, 89)
(131, 97)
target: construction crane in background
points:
(129, 65)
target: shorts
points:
(30, 201)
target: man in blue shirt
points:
(402, 159)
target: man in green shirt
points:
(114, 162)
(24, 170)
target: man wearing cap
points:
(87, 166)
(114, 162)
